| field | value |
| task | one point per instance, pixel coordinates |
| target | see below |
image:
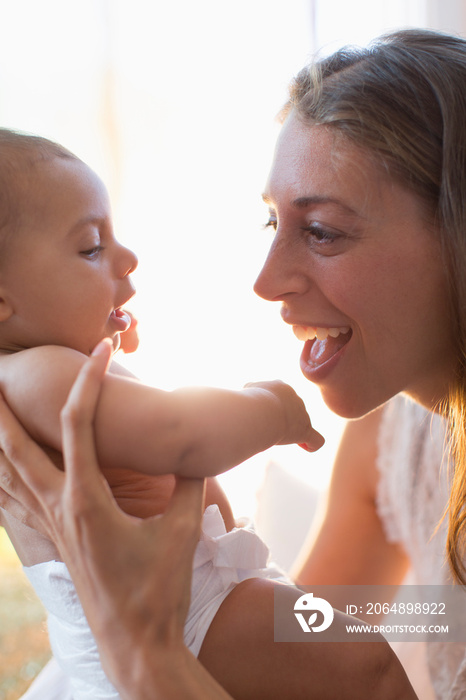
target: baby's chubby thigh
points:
(240, 652)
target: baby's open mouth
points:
(322, 343)
(122, 318)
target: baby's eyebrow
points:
(92, 219)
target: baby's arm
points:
(193, 432)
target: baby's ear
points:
(6, 309)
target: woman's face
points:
(355, 260)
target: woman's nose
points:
(282, 273)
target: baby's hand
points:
(129, 340)
(298, 428)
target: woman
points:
(366, 195)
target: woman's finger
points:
(181, 524)
(31, 485)
(25, 513)
(187, 500)
(183, 515)
(27, 471)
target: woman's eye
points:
(92, 252)
(321, 235)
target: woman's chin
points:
(351, 405)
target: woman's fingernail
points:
(102, 347)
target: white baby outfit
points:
(412, 495)
(222, 559)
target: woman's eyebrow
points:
(314, 200)
(304, 202)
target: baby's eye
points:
(92, 252)
(272, 222)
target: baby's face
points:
(65, 277)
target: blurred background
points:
(174, 105)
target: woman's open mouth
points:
(321, 345)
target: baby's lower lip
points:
(121, 319)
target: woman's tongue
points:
(321, 351)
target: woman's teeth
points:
(311, 332)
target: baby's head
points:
(21, 155)
(63, 275)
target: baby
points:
(64, 279)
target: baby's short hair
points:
(19, 152)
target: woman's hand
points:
(132, 576)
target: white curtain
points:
(446, 15)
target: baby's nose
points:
(128, 262)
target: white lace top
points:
(412, 494)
